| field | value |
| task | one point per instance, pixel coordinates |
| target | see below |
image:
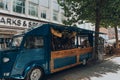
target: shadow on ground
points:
(85, 73)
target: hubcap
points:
(84, 62)
(35, 75)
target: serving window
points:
(62, 40)
(83, 41)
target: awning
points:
(73, 28)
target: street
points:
(106, 70)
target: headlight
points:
(5, 59)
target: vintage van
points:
(45, 49)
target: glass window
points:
(34, 42)
(55, 16)
(33, 9)
(4, 4)
(43, 14)
(44, 3)
(16, 41)
(1, 40)
(83, 41)
(19, 6)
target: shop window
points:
(33, 8)
(4, 4)
(4, 42)
(34, 42)
(19, 6)
(43, 14)
(1, 40)
(55, 16)
(55, 10)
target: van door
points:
(33, 53)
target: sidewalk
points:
(109, 69)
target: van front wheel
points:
(35, 74)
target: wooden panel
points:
(66, 53)
(63, 68)
(71, 52)
(52, 64)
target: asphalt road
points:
(106, 70)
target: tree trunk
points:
(116, 36)
(95, 54)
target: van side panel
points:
(26, 58)
(64, 59)
(61, 62)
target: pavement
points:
(109, 69)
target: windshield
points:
(16, 41)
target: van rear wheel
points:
(35, 74)
(84, 62)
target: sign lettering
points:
(17, 22)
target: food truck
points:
(45, 49)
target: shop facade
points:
(18, 15)
(11, 25)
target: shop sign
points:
(17, 22)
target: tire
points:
(84, 62)
(35, 74)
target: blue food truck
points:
(45, 49)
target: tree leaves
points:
(77, 10)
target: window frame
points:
(44, 14)
(4, 4)
(80, 41)
(30, 8)
(28, 46)
(16, 5)
(55, 15)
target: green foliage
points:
(111, 15)
(85, 10)
(78, 10)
